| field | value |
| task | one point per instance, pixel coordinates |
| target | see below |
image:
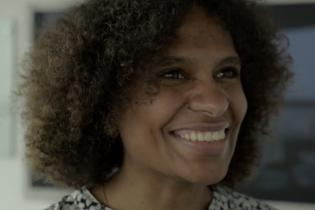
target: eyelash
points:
(176, 74)
(233, 73)
(179, 74)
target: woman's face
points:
(188, 131)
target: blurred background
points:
(286, 177)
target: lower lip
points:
(213, 148)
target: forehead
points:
(201, 37)
(198, 28)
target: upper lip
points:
(202, 126)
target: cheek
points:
(239, 104)
(161, 107)
(141, 128)
(147, 116)
(135, 131)
(169, 100)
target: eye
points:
(173, 74)
(228, 73)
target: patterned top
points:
(223, 199)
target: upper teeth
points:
(202, 135)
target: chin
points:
(207, 178)
(210, 180)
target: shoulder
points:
(80, 199)
(226, 198)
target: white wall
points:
(15, 192)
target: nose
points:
(208, 97)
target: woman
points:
(153, 104)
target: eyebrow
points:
(232, 60)
(171, 60)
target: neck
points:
(127, 191)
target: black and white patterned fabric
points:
(223, 199)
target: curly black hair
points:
(79, 74)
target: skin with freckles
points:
(200, 93)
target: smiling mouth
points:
(201, 136)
